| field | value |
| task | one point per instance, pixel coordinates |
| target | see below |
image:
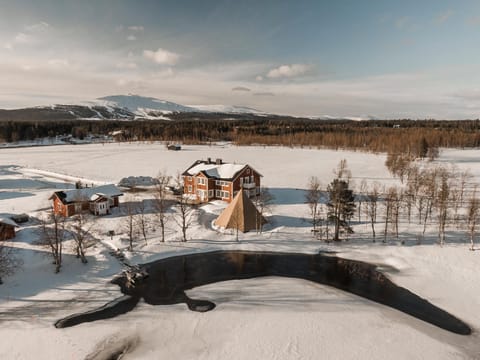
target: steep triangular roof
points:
(240, 214)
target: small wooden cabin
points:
(99, 200)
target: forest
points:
(418, 138)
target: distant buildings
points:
(206, 180)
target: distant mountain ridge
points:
(132, 107)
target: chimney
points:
(209, 160)
(218, 161)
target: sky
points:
(379, 58)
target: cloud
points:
(131, 38)
(403, 22)
(37, 28)
(58, 63)
(441, 18)
(161, 56)
(259, 78)
(240, 88)
(136, 28)
(266, 93)
(289, 71)
(29, 35)
(127, 65)
(473, 20)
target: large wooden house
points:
(208, 180)
(7, 228)
(98, 200)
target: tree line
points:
(428, 195)
(402, 136)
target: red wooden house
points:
(207, 180)
(7, 228)
(98, 200)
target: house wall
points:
(7, 232)
(188, 181)
(231, 187)
(248, 171)
(59, 208)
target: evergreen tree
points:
(341, 206)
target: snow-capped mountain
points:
(141, 105)
(227, 109)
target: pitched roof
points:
(221, 171)
(86, 194)
(240, 214)
(8, 221)
(225, 171)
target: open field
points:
(264, 318)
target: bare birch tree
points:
(472, 216)
(262, 202)
(185, 210)
(441, 202)
(361, 197)
(142, 219)
(80, 228)
(388, 201)
(372, 203)
(53, 234)
(312, 198)
(161, 204)
(130, 213)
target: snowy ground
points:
(264, 318)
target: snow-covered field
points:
(263, 318)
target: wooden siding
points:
(7, 232)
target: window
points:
(252, 179)
(189, 188)
(218, 182)
(222, 194)
(210, 193)
(241, 181)
(201, 181)
(248, 171)
(189, 178)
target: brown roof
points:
(240, 214)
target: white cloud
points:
(161, 56)
(58, 62)
(131, 38)
(136, 28)
(167, 73)
(30, 34)
(289, 71)
(127, 65)
(441, 18)
(36, 28)
(259, 78)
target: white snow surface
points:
(262, 318)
